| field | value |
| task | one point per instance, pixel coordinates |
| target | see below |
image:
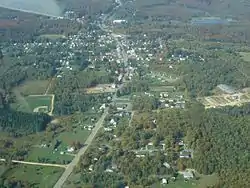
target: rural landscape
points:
(124, 94)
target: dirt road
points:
(37, 164)
(76, 160)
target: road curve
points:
(37, 164)
(75, 161)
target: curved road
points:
(75, 161)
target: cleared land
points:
(101, 88)
(224, 100)
(38, 176)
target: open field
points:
(34, 87)
(245, 56)
(101, 88)
(49, 156)
(40, 177)
(224, 100)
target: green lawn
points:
(48, 154)
(39, 177)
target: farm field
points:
(37, 176)
(224, 100)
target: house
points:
(164, 181)
(107, 129)
(71, 149)
(166, 165)
(91, 168)
(113, 122)
(188, 175)
(108, 170)
(102, 107)
(185, 154)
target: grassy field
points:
(69, 137)
(39, 177)
(245, 56)
(35, 87)
(48, 154)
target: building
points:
(188, 175)
(119, 21)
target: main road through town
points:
(75, 161)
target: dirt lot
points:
(225, 100)
(102, 88)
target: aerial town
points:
(124, 94)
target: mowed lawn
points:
(49, 154)
(38, 176)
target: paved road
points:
(75, 161)
(37, 164)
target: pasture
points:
(37, 176)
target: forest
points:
(20, 123)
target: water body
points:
(44, 7)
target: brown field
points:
(216, 101)
(101, 88)
(8, 23)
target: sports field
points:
(34, 103)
